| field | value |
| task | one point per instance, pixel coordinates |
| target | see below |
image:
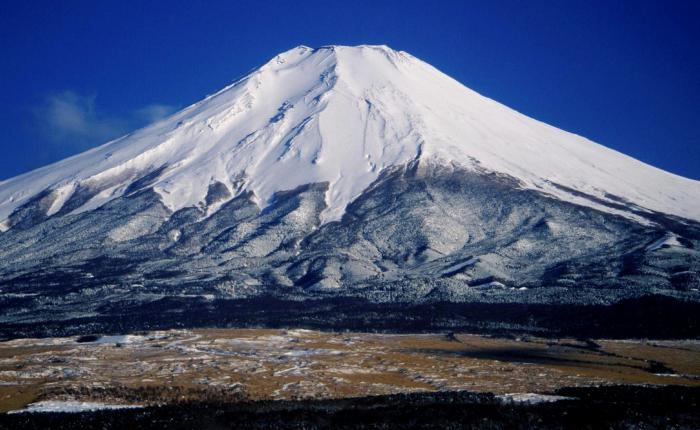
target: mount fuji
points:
(343, 172)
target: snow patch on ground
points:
(120, 339)
(531, 398)
(69, 407)
(669, 240)
(60, 196)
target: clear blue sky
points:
(74, 74)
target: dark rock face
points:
(421, 233)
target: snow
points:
(669, 239)
(69, 407)
(459, 266)
(340, 115)
(60, 196)
(531, 398)
(120, 339)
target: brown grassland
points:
(250, 364)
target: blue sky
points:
(74, 74)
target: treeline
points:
(655, 316)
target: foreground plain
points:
(234, 365)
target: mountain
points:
(344, 172)
(342, 115)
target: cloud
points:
(154, 112)
(74, 120)
(71, 116)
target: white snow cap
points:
(341, 114)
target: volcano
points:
(344, 172)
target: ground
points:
(230, 365)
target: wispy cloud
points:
(154, 112)
(68, 115)
(74, 120)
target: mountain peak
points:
(341, 115)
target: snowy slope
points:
(341, 115)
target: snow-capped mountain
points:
(341, 115)
(354, 171)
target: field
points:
(231, 365)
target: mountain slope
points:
(343, 172)
(341, 115)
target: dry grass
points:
(266, 364)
